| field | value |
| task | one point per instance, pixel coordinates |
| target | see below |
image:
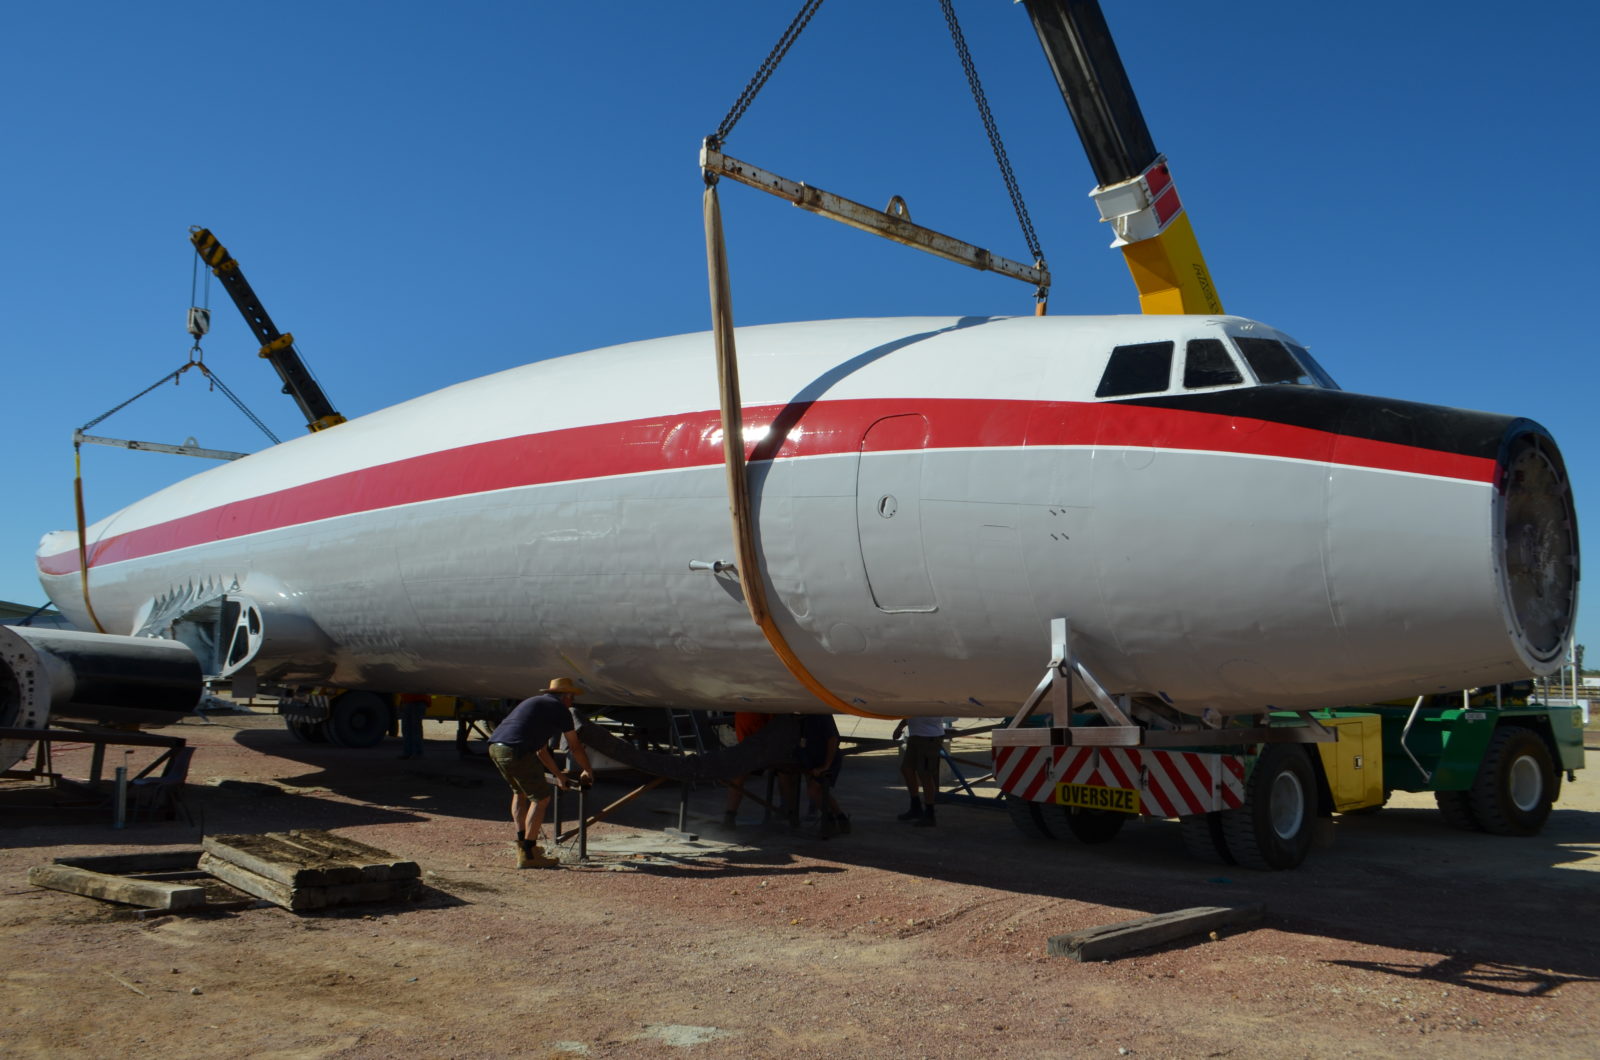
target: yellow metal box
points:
(1354, 762)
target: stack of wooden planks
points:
(307, 869)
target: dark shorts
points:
(522, 770)
(920, 754)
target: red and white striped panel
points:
(1169, 783)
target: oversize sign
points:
(1097, 797)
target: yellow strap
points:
(83, 541)
(744, 540)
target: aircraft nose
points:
(1537, 546)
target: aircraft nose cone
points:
(1538, 530)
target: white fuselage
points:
(940, 490)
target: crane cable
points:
(768, 65)
(997, 145)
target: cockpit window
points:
(1303, 355)
(1273, 362)
(1141, 368)
(1206, 363)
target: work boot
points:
(927, 819)
(913, 813)
(531, 857)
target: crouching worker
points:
(520, 749)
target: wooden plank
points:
(152, 894)
(334, 870)
(301, 899)
(357, 852)
(143, 861)
(1114, 940)
(297, 899)
(270, 856)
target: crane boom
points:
(1135, 193)
(277, 348)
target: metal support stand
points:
(682, 831)
(1119, 728)
(1411, 720)
(583, 827)
(1057, 681)
(119, 805)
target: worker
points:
(520, 749)
(412, 708)
(817, 755)
(746, 723)
(919, 766)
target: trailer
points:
(1251, 791)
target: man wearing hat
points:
(520, 749)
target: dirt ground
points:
(1403, 936)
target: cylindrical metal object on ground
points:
(100, 678)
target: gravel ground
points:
(1402, 937)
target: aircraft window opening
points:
(1272, 362)
(1140, 368)
(1303, 355)
(1207, 363)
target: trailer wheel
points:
(1203, 839)
(1516, 783)
(1456, 808)
(1029, 817)
(1093, 826)
(1272, 829)
(358, 719)
(305, 730)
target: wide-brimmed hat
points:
(565, 684)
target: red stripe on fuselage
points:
(693, 439)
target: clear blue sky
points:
(428, 192)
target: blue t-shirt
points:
(534, 723)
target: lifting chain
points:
(212, 377)
(765, 71)
(995, 142)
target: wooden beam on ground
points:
(599, 815)
(151, 894)
(144, 861)
(1114, 940)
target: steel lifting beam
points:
(894, 225)
(79, 438)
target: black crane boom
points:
(277, 348)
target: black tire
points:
(358, 719)
(1203, 839)
(1273, 829)
(1093, 826)
(1516, 783)
(1456, 807)
(1029, 818)
(306, 730)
